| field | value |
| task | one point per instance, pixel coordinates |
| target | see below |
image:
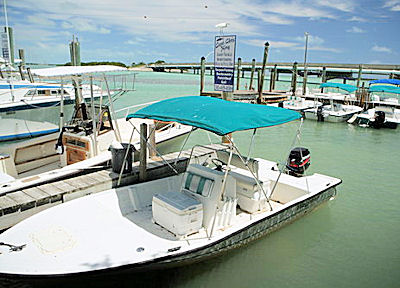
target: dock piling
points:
(253, 67)
(294, 78)
(359, 75)
(261, 81)
(239, 68)
(143, 152)
(202, 70)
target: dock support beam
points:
(294, 78)
(239, 68)
(266, 48)
(253, 68)
(143, 152)
(202, 72)
(323, 80)
(359, 76)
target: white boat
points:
(209, 209)
(332, 113)
(342, 92)
(299, 103)
(32, 109)
(385, 113)
(51, 157)
(378, 117)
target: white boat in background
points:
(344, 92)
(83, 143)
(378, 117)
(227, 202)
(332, 113)
(32, 109)
(299, 103)
(384, 114)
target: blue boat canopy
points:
(218, 116)
(346, 87)
(385, 81)
(385, 88)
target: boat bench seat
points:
(250, 197)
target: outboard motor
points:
(379, 119)
(298, 162)
(320, 116)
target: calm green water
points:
(352, 241)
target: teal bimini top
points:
(384, 88)
(218, 116)
(345, 87)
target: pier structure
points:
(256, 93)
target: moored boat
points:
(32, 109)
(227, 201)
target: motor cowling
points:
(379, 119)
(298, 161)
(320, 115)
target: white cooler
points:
(178, 212)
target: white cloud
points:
(383, 49)
(357, 19)
(355, 29)
(315, 43)
(312, 40)
(393, 5)
(345, 6)
(81, 24)
(40, 20)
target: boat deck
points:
(18, 205)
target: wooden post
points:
(21, 73)
(253, 67)
(1, 74)
(359, 76)
(294, 78)
(259, 98)
(202, 70)
(30, 75)
(275, 76)
(271, 79)
(266, 48)
(152, 141)
(323, 80)
(239, 67)
(143, 152)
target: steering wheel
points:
(218, 163)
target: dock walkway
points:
(18, 205)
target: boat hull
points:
(242, 237)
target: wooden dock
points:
(18, 205)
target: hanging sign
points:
(224, 62)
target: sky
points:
(340, 31)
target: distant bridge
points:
(333, 70)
